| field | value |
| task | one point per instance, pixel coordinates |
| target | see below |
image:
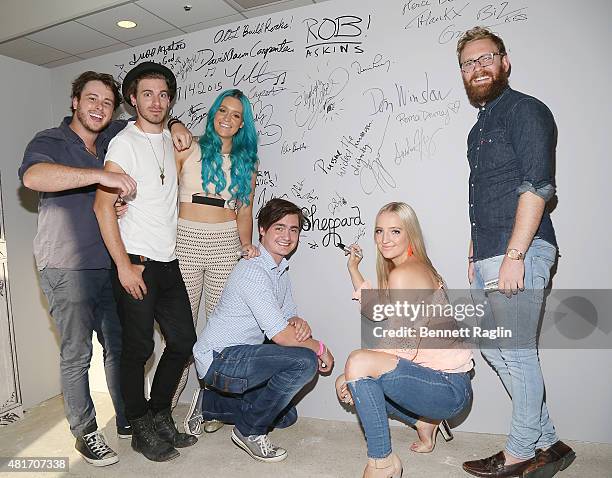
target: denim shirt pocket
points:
(229, 384)
(495, 149)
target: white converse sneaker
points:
(193, 419)
(194, 422)
(259, 447)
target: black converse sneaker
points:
(124, 432)
(94, 449)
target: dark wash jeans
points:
(230, 408)
(81, 302)
(166, 303)
(273, 374)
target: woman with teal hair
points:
(216, 188)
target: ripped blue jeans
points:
(407, 392)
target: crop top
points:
(190, 179)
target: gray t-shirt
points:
(68, 236)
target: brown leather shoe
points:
(495, 467)
(550, 461)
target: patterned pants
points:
(207, 253)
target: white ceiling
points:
(78, 37)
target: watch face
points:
(514, 254)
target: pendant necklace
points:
(162, 166)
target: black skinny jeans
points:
(167, 303)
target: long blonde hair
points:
(411, 225)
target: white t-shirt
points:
(149, 226)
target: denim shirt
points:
(510, 151)
(68, 236)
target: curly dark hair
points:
(79, 84)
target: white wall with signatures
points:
(359, 103)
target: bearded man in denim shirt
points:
(511, 151)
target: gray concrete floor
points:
(317, 448)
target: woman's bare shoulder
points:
(411, 275)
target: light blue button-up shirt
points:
(256, 302)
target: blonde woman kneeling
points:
(419, 385)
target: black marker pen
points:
(348, 250)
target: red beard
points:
(481, 94)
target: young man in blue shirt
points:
(252, 383)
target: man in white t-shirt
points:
(147, 282)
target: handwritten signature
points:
(373, 173)
(491, 11)
(319, 98)
(264, 178)
(421, 145)
(427, 17)
(258, 74)
(360, 233)
(269, 132)
(298, 191)
(330, 224)
(197, 113)
(377, 62)
(337, 202)
(264, 195)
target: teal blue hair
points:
(243, 156)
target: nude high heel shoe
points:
(445, 431)
(389, 467)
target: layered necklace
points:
(161, 166)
